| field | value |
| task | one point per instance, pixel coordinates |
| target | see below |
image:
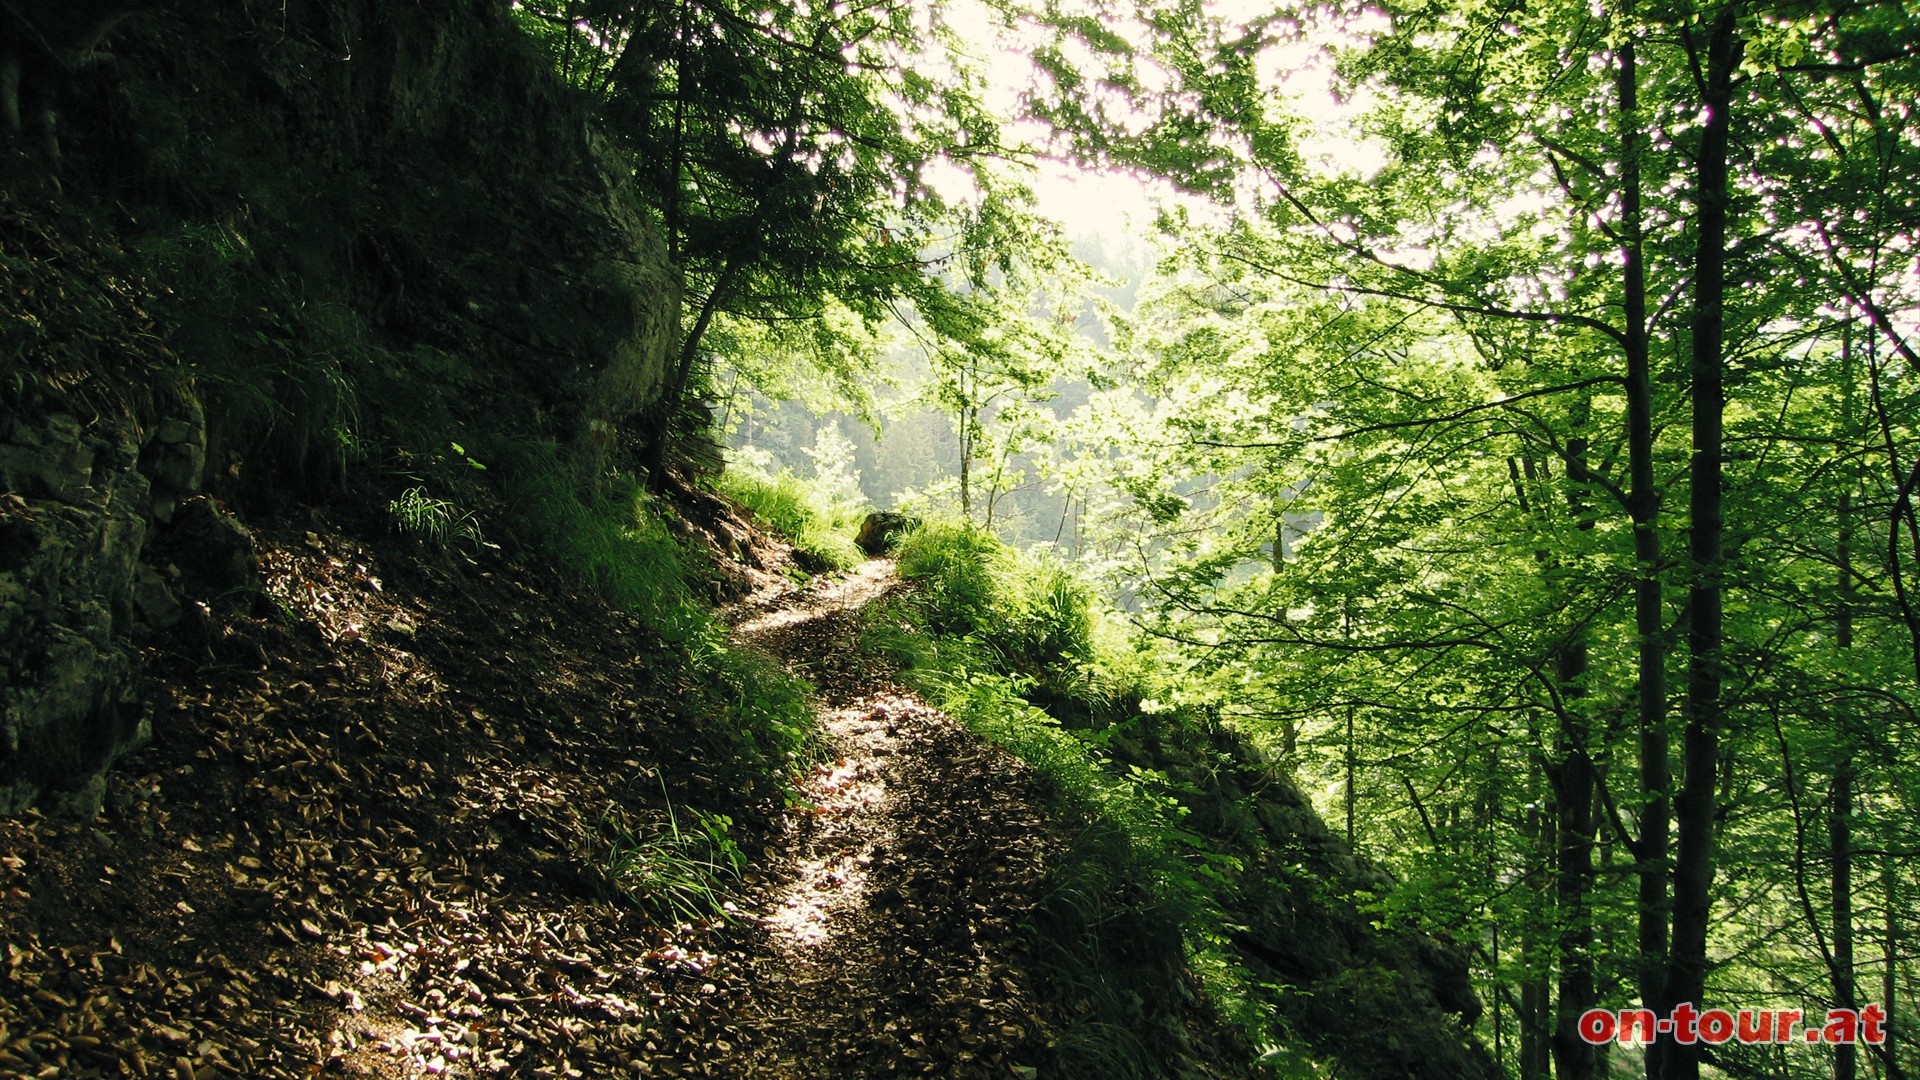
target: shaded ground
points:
(370, 839)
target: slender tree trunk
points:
(1840, 849)
(654, 457)
(1535, 1045)
(1649, 615)
(1696, 807)
(1890, 954)
(1573, 1057)
(1352, 766)
(966, 461)
(1536, 1012)
(1499, 1042)
(1839, 817)
(1573, 789)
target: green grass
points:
(438, 522)
(799, 511)
(615, 539)
(673, 871)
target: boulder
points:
(880, 529)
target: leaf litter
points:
(363, 843)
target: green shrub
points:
(1028, 609)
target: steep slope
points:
(379, 832)
(273, 251)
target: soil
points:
(372, 836)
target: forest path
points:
(892, 914)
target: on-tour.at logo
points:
(1687, 1025)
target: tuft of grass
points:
(437, 521)
(953, 562)
(674, 872)
(801, 511)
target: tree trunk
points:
(1573, 792)
(1573, 1056)
(1649, 615)
(1696, 806)
(1352, 768)
(1840, 849)
(1839, 811)
(1890, 955)
(654, 457)
(1535, 1014)
(966, 462)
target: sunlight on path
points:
(851, 800)
(817, 600)
(890, 924)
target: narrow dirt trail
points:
(894, 940)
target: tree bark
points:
(1839, 812)
(654, 457)
(1840, 849)
(1890, 955)
(1535, 1014)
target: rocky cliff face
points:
(97, 448)
(248, 248)
(69, 565)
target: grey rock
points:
(74, 591)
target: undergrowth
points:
(1009, 644)
(810, 517)
(675, 871)
(274, 358)
(618, 540)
